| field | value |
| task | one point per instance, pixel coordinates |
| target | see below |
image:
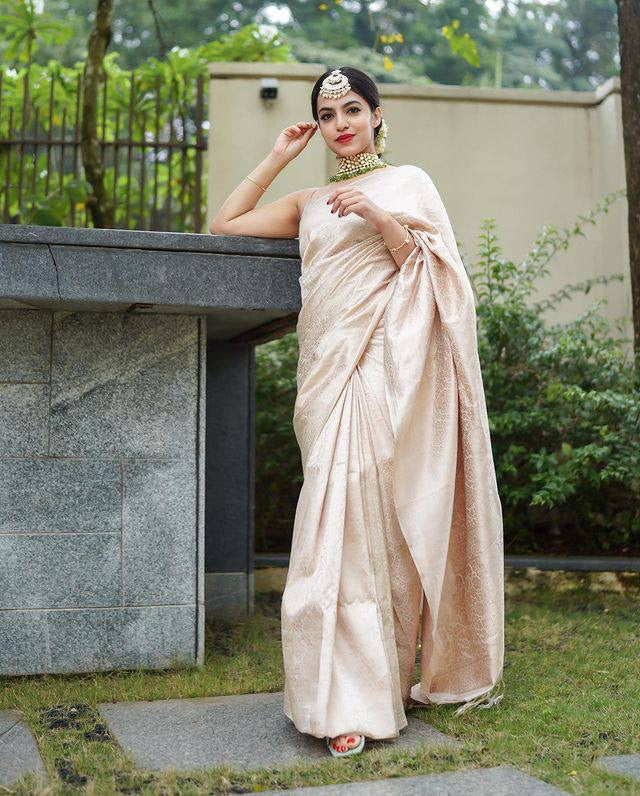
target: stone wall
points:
(101, 490)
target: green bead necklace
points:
(353, 165)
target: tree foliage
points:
(47, 198)
(566, 44)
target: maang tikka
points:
(335, 85)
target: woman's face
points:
(347, 115)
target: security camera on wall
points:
(269, 88)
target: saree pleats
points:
(353, 593)
(397, 532)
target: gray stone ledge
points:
(196, 279)
(149, 239)
(22, 279)
(240, 283)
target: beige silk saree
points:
(397, 536)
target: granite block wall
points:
(101, 490)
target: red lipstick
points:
(346, 137)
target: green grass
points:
(572, 694)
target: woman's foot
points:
(342, 743)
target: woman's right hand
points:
(292, 140)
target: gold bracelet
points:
(255, 183)
(406, 240)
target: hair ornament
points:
(335, 85)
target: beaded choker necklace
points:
(360, 163)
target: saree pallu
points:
(397, 535)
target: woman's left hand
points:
(345, 199)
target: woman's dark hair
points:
(360, 82)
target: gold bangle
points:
(255, 183)
(406, 240)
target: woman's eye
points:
(327, 115)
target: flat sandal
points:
(353, 751)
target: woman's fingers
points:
(300, 126)
(298, 131)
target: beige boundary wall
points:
(524, 157)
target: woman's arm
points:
(278, 219)
(238, 216)
(393, 233)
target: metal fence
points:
(152, 153)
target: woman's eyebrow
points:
(348, 102)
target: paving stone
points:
(245, 731)
(19, 753)
(498, 781)
(627, 765)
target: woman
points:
(398, 526)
